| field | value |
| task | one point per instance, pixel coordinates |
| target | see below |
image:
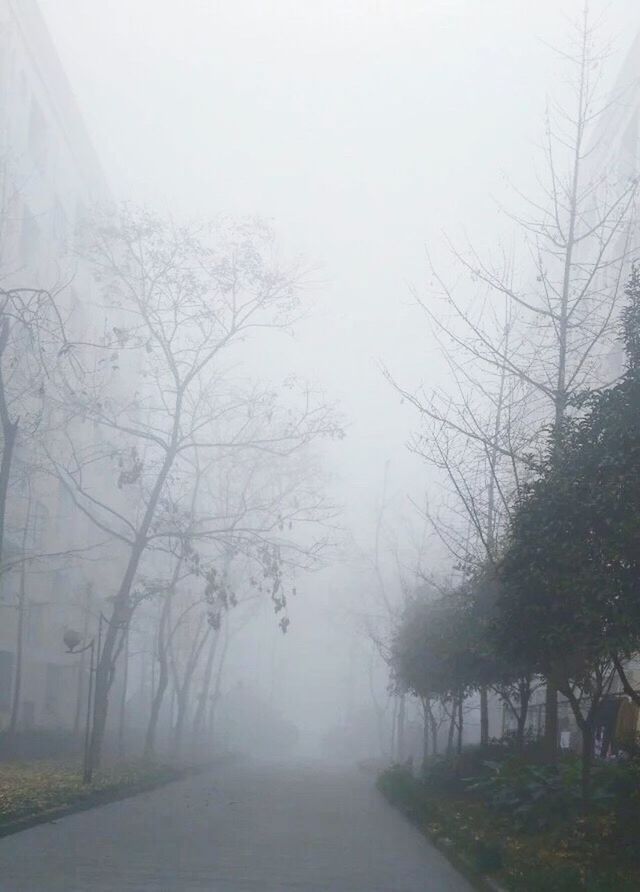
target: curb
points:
(463, 865)
(95, 800)
(481, 882)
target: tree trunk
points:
(211, 721)
(460, 722)
(215, 697)
(521, 717)
(17, 683)
(394, 722)
(184, 691)
(434, 732)
(452, 728)
(551, 722)
(156, 706)
(521, 720)
(484, 717)
(83, 659)
(122, 610)
(163, 681)
(200, 712)
(626, 684)
(587, 761)
(425, 735)
(123, 699)
(561, 395)
(401, 729)
(105, 668)
(183, 703)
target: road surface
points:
(243, 827)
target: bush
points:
(447, 773)
(487, 857)
(536, 797)
(557, 877)
(402, 789)
(527, 822)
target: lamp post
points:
(72, 641)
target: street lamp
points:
(72, 641)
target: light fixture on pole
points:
(72, 641)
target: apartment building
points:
(50, 178)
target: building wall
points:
(50, 178)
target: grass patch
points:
(31, 788)
(528, 830)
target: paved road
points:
(242, 828)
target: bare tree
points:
(177, 302)
(563, 293)
(198, 631)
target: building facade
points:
(50, 178)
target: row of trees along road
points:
(562, 597)
(195, 479)
(536, 331)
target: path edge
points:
(100, 798)
(460, 862)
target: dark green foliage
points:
(443, 773)
(536, 797)
(571, 570)
(487, 857)
(433, 651)
(527, 824)
(450, 773)
(559, 878)
(401, 788)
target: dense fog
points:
(368, 134)
(319, 392)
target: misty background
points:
(364, 130)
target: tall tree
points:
(565, 289)
(177, 302)
(570, 572)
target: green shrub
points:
(550, 878)
(487, 857)
(537, 797)
(447, 773)
(526, 821)
(403, 790)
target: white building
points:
(50, 178)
